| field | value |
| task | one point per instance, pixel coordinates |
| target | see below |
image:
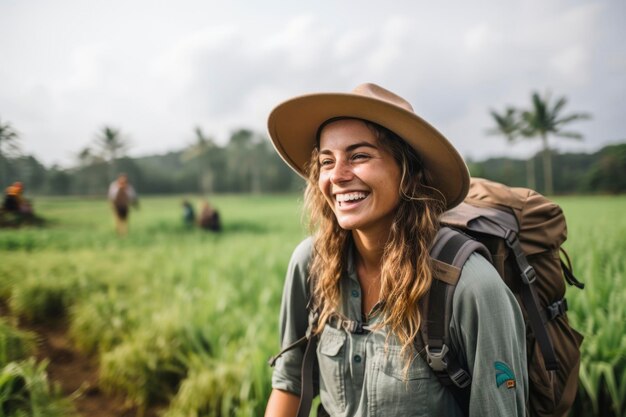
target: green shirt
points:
(361, 376)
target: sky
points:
(156, 70)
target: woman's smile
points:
(347, 200)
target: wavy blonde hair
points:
(406, 272)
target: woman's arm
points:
(489, 329)
(293, 320)
(282, 404)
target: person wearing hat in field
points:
(378, 178)
(15, 202)
(122, 195)
(13, 199)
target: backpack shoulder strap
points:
(503, 224)
(308, 345)
(450, 251)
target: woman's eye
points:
(360, 156)
(325, 162)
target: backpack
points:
(520, 232)
(523, 232)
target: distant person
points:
(14, 201)
(122, 195)
(189, 215)
(209, 217)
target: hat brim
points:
(293, 125)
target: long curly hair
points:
(406, 272)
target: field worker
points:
(189, 215)
(13, 199)
(378, 178)
(209, 217)
(122, 195)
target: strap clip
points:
(510, 236)
(529, 275)
(437, 358)
(461, 378)
(354, 327)
(556, 309)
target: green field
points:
(190, 317)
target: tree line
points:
(247, 163)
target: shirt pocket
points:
(400, 391)
(332, 366)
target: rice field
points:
(189, 317)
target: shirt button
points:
(355, 293)
(357, 358)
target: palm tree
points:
(545, 119)
(202, 145)
(9, 146)
(112, 146)
(201, 152)
(242, 161)
(508, 125)
(85, 157)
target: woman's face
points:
(359, 179)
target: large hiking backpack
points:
(523, 232)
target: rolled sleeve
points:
(293, 319)
(488, 328)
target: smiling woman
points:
(378, 178)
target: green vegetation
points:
(14, 344)
(168, 310)
(190, 317)
(596, 243)
(9, 147)
(24, 386)
(25, 391)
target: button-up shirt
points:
(366, 374)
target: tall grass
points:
(26, 391)
(597, 245)
(24, 386)
(166, 309)
(190, 317)
(15, 344)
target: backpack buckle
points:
(556, 309)
(460, 378)
(510, 236)
(437, 358)
(354, 327)
(313, 318)
(529, 275)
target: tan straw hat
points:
(293, 127)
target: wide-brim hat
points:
(293, 127)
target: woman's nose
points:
(342, 172)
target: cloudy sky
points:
(157, 69)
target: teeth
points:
(350, 196)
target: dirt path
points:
(78, 375)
